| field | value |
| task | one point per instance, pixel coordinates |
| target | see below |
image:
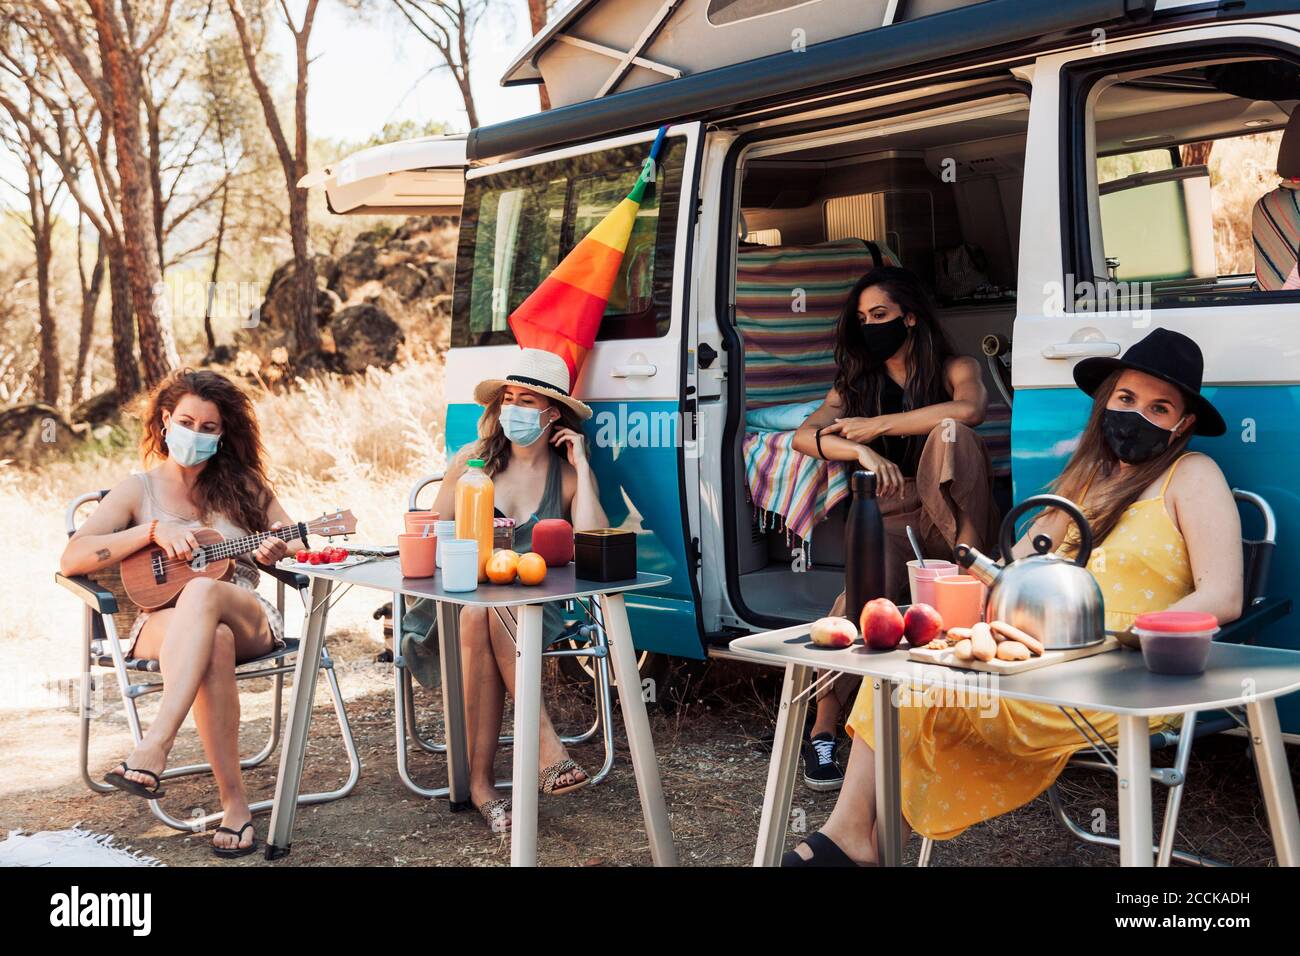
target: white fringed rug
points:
(75, 847)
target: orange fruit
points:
(532, 568)
(501, 566)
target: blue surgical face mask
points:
(523, 426)
(188, 447)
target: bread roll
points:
(1010, 650)
(981, 642)
(1011, 632)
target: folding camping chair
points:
(584, 639)
(103, 651)
(1258, 611)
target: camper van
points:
(1041, 165)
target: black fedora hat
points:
(1169, 356)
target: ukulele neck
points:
(234, 547)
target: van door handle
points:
(1070, 350)
(634, 371)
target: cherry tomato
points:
(342, 553)
(332, 555)
(316, 558)
(301, 555)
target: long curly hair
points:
(233, 482)
(860, 379)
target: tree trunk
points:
(89, 303)
(143, 261)
(537, 20)
(1197, 154)
(216, 261)
(48, 372)
(126, 373)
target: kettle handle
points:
(1008, 540)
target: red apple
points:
(882, 625)
(833, 632)
(921, 624)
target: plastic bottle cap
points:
(475, 463)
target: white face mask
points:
(522, 425)
(188, 447)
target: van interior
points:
(939, 192)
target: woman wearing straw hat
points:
(1169, 534)
(530, 437)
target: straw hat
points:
(539, 371)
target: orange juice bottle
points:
(474, 511)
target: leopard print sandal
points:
(494, 812)
(546, 779)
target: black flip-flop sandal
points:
(826, 852)
(134, 787)
(236, 851)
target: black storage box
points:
(606, 554)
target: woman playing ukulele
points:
(201, 435)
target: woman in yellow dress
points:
(1168, 528)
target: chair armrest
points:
(91, 594)
(1257, 617)
(292, 578)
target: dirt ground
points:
(713, 741)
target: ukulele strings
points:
(222, 549)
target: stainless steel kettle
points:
(1045, 595)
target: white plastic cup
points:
(459, 564)
(445, 530)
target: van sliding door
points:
(519, 219)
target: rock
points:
(30, 432)
(219, 355)
(406, 280)
(97, 410)
(272, 325)
(441, 276)
(356, 267)
(364, 335)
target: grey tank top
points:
(151, 508)
(551, 506)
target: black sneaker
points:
(821, 772)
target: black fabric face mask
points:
(1131, 437)
(883, 339)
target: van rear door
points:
(519, 219)
(419, 177)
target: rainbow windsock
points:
(563, 314)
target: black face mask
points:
(883, 339)
(1131, 437)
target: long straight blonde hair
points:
(1093, 457)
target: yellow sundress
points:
(961, 766)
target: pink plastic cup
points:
(921, 579)
(959, 599)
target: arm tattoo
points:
(103, 554)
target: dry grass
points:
(356, 443)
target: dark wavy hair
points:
(233, 482)
(860, 379)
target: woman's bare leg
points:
(216, 714)
(484, 702)
(550, 749)
(197, 643)
(852, 824)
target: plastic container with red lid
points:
(1176, 642)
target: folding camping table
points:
(560, 584)
(1115, 682)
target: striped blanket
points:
(789, 489)
(1276, 229)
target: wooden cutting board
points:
(948, 658)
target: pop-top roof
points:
(597, 47)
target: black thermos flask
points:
(864, 564)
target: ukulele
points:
(152, 579)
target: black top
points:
(903, 450)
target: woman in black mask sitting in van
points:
(905, 407)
